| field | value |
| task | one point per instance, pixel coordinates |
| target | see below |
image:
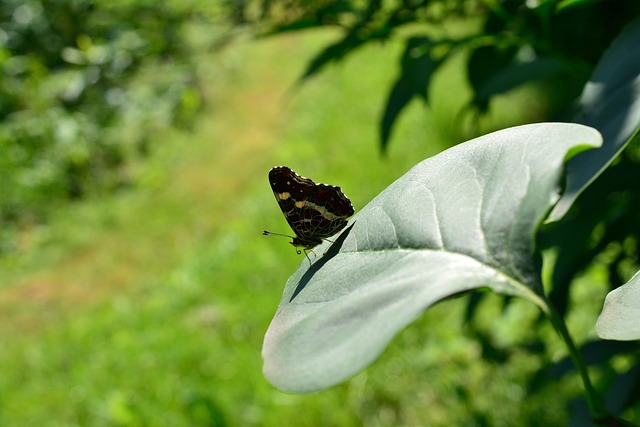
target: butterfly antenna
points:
(268, 233)
(298, 251)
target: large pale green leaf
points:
(610, 103)
(461, 220)
(620, 317)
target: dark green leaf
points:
(324, 16)
(361, 33)
(624, 390)
(417, 67)
(604, 217)
(485, 63)
(611, 103)
(334, 52)
(568, 4)
(508, 77)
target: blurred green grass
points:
(148, 307)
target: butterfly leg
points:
(306, 254)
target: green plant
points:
(471, 218)
(85, 85)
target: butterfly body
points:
(314, 211)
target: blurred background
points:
(135, 142)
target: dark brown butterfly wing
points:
(313, 211)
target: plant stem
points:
(596, 406)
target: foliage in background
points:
(84, 87)
(510, 43)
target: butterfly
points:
(314, 212)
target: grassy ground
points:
(148, 307)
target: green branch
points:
(595, 403)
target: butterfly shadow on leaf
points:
(332, 251)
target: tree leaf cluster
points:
(510, 43)
(85, 84)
